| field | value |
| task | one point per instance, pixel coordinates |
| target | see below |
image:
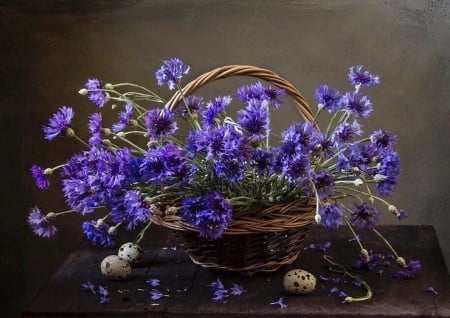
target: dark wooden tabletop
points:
(189, 293)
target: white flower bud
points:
(113, 106)
(379, 177)
(401, 261)
(318, 218)
(48, 171)
(109, 86)
(50, 215)
(121, 134)
(83, 91)
(371, 200)
(100, 222)
(171, 210)
(70, 132)
(320, 106)
(106, 131)
(392, 209)
(134, 122)
(357, 182)
(112, 230)
(365, 254)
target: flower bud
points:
(48, 171)
(379, 177)
(70, 132)
(365, 254)
(400, 261)
(100, 222)
(121, 134)
(318, 218)
(320, 106)
(134, 122)
(171, 210)
(106, 131)
(112, 230)
(357, 182)
(50, 215)
(109, 86)
(392, 209)
(106, 142)
(113, 106)
(83, 91)
(371, 200)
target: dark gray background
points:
(49, 48)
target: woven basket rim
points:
(276, 218)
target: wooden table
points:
(190, 296)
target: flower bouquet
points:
(240, 196)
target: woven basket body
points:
(270, 238)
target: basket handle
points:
(248, 70)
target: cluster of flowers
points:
(223, 168)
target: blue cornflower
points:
(324, 183)
(97, 232)
(409, 271)
(254, 120)
(156, 294)
(357, 104)
(193, 103)
(171, 72)
(280, 303)
(129, 209)
(322, 145)
(328, 98)
(297, 168)
(365, 216)
(345, 132)
(402, 214)
(272, 95)
(104, 294)
(383, 140)
(154, 282)
(59, 124)
(298, 138)
(237, 290)
(96, 93)
(124, 118)
(331, 215)
(160, 123)
(40, 224)
(88, 286)
(389, 169)
(262, 161)
(210, 214)
(40, 177)
(95, 128)
(358, 77)
(164, 164)
(254, 91)
(230, 168)
(214, 108)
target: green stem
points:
(141, 234)
(386, 242)
(80, 140)
(338, 268)
(353, 232)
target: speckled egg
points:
(131, 252)
(299, 281)
(115, 267)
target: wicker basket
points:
(271, 237)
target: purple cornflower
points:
(156, 294)
(210, 214)
(98, 233)
(262, 161)
(130, 209)
(321, 247)
(160, 123)
(96, 94)
(382, 140)
(213, 108)
(298, 138)
(272, 95)
(237, 290)
(389, 169)
(402, 214)
(331, 215)
(357, 104)
(40, 177)
(40, 224)
(104, 294)
(324, 184)
(409, 271)
(358, 77)
(124, 118)
(59, 124)
(254, 120)
(230, 168)
(280, 303)
(431, 289)
(297, 168)
(218, 289)
(95, 128)
(88, 286)
(345, 132)
(171, 72)
(192, 103)
(364, 216)
(328, 98)
(154, 282)
(257, 91)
